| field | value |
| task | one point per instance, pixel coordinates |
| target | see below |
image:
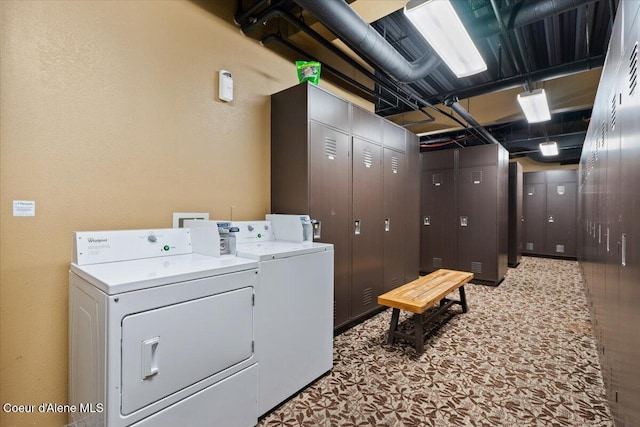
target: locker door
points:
(437, 239)
(329, 203)
(534, 211)
(394, 164)
(366, 233)
(515, 213)
(561, 219)
(477, 221)
(628, 315)
(412, 214)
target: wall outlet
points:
(180, 217)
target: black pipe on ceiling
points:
(276, 38)
(389, 85)
(522, 13)
(459, 109)
(505, 36)
(345, 23)
(550, 73)
(242, 15)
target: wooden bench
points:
(421, 294)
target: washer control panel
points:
(253, 231)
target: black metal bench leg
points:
(394, 325)
(419, 332)
(463, 299)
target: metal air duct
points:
(345, 23)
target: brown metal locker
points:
(313, 171)
(628, 333)
(438, 243)
(310, 172)
(412, 210)
(437, 211)
(560, 219)
(550, 217)
(465, 211)
(515, 213)
(393, 222)
(477, 221)
(534, 199)
(329, 203)
(367, 265)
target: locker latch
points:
(426, 221)
(464, 221)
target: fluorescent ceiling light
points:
(549, 148)
(439, 24)
(534, 105)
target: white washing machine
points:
(159, 335)
(294, 319)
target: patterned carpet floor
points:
(524, 355)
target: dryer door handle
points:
(150, 357)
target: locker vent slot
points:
(476, 177)
(531, 191)
(603, 128)
(394, 164)
(529, 246)
(367, 296)
(560, 189)
(437, 263)
(633, 70)
(613, 112)
(367, 157)
(560, 249)
(395, 282)
(330, 148)
(437, 179)
(476, 267)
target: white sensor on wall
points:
(225, 89)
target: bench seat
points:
(420, 295)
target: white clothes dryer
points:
(158, 335)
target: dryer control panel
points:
(95, 247)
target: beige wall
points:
(529, 165)
(110, 120)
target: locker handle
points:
(387, 224)
(356, 227)
(551, 218)
(317, 228)
(599, 234)
(150, 357)
(624, 249)
(464, 221)
(426, 221)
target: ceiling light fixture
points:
(549, 148)
(439, 24)
(534, 105)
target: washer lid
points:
(275, 249)
(126, 276)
